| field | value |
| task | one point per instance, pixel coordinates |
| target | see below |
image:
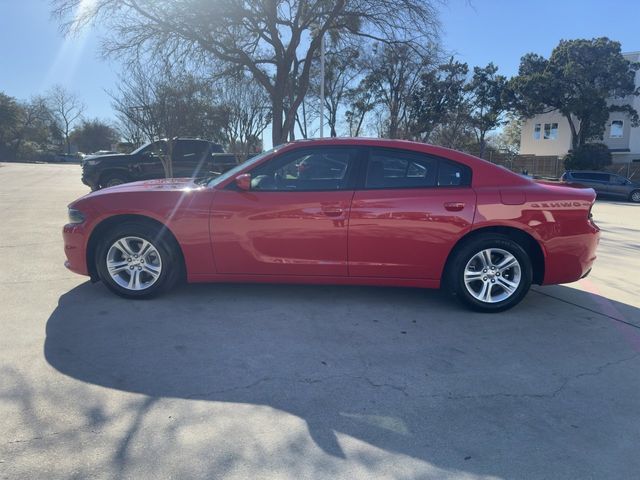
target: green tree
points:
(94, 135)
(585, 80)
(590, 156)
(438, 99)
(485, 99)
(36, 126)
(508, 140)
(9, 114)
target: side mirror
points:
(244, 181)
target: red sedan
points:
(340, 211)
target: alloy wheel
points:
(492, 275)
(134, 263)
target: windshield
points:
(230, 173)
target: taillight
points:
(590, 217)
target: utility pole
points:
(322, 86)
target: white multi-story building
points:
(549, 134)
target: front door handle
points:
(454, 206)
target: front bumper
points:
(75, 244)
(89, 178)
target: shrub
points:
(591, 156)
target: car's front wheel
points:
(491, 273)
(635, 196)
(137, 261)
(113, 179)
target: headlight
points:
(75, 216)
(92, 162)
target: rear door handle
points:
(332, 212)
(454, 206)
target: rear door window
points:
(398, 169)
(387, 168)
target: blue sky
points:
(34, 55)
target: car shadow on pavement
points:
(405, 370)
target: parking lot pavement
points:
(293, 382)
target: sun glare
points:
(66, 61)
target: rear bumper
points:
(75, 248)
(571, 258)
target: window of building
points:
(616, 130)
(550, 131)
(536, 131)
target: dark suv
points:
(606, 184)
(191, 158)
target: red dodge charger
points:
(340, 211)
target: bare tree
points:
(342, 68)
(135, 103)
(160, 103)
(274, 40)
(66, 109)
(361, 100)
(394, 75)
(130, 130)
(247, 113)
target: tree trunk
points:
(575, 141)
(357, 132)
(332, 122)
(278, 136)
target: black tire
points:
(467, 251)
(634, 196)
(113, 179)
(165, 246)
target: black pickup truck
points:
(190, 158)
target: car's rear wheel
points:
(137, 261)
(635, 196)
(491, 273)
